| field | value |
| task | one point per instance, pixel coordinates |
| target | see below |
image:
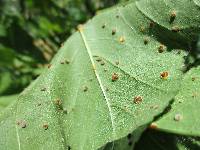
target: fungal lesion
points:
(142, 29)
(43, 89)
(85, 88)
(58, 102)
(137, 99)
(114, 31)
(172, 16)
(45, 126)
(103, 26)
(121, 39)
(178, 117)
(115, 77)
(146, 40)
(164, 75)
(21, 123)
(161, 48)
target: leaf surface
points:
(109, 78)
(183, 118)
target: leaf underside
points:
(105, 82)
(186, 107)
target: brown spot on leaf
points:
(85, 89)
(43, 89)
(102, 63)
(178, 117)
(194, 95)
(103, 26)
(67, 61)
(58, 102)
(115, 77)
(142, 29)
(122, 39)
(164, 75)
(193, 78)
(146, 40)
(161, 48)
(22, 123)
(45, 126)
(117, 62)
(49, 66)
(114, 31)
(172, 16)
(98, 59)
(137, 99)
(153, 126)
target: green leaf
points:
(7, 55)
(5, 101)
(2, 31)
(174, 15)
(5, 81)
(105, 82)
(154, 140)
(183, 117)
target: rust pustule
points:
(137, 99)
(45, 126)
(49, 66)
(98, 59)
(114, 31)
(85, 89)
(164, 75)
(58, 102)
(103, 26)
(178, 117)
(115, 77)
(146, 40)
(122, 39)
(43, 89)
(62, 62)
(172, 16)
(161, 48)
(22, 123)
(102, 63)
(117, 62)
(67, 61)
(193, 78)
(142, 29)
(153, 126)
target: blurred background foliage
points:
(31, 32)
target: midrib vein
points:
(99, 80)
